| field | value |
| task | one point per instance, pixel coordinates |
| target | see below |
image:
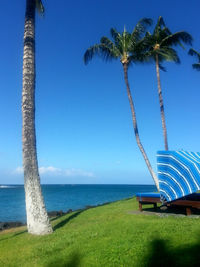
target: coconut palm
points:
(37, 218)
(127, 47)
(193, 52)
(160, 49)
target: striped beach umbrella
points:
(178, 174)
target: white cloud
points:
(50, 170)
(53, 171)
(18, 170)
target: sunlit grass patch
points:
(108, 235)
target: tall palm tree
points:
(193, 52)
(160, 49)
(37, 218)
(127, 47)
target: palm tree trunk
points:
(37, 218)
(161, 104)
(125, 67)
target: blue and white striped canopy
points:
(178, 174)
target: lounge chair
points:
(179, 181)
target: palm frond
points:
(196, 66)
(163, 33)
(162, 68)
(168, 54)
(177, 38)
(149, 40)
(127, 42)
(145, 22)
(147, 34)
(105, 41)
(139, 58)
(160, 23)
(115, 35)
(140, 28)
(140, 50)
(100, 50)
(39, 6)
(166, 30)
(193, 52)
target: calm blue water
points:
(64, 197)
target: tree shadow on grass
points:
(65, 221)
(160, 254)
(73, 261)
(19, 233)
(56, 218)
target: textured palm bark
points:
(37, 218)
(125, 66)
(161, 105)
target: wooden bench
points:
(189, 202)
(148, 200)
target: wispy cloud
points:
(18, 170)
(50, 170)
(53, 171)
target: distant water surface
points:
(64, 197)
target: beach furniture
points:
(179, 181)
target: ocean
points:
(64, 197)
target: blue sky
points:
(83, 119)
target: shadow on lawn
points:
(73, 261)
(19, 233)
(162, 255)
(62, 223)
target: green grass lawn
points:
(108, 235)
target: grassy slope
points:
(106, 236)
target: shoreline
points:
(54, 214)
